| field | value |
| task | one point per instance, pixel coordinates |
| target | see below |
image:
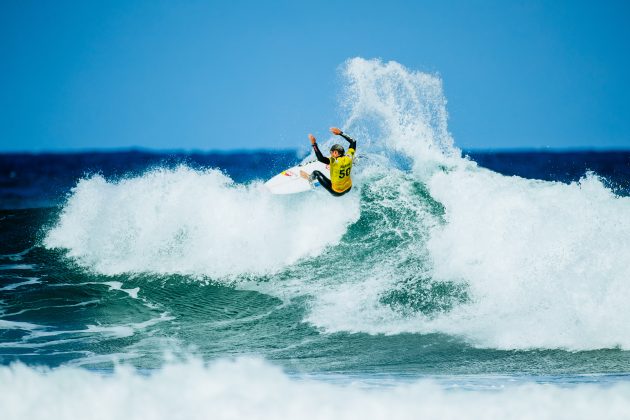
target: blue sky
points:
(213, 75)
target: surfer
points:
(340, 164)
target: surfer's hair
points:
(338, 148)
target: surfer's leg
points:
(325, 182)
(321, 178)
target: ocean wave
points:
(503, 262)
(426, 242)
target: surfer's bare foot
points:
(304, 175)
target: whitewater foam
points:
(28, 281)
(251, 388)
(546, 263)
(192, 222)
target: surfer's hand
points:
(312, 138)
(335, 131)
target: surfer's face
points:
(334, 153)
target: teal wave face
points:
(414, 289)
(71, 316)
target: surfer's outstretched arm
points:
(319, 155)
(338, 132)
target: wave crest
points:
(192, 222)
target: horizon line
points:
(138, 149)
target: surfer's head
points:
(337, 148)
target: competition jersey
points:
(340, 169)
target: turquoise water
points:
(55, 313)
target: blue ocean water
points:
(448, 283)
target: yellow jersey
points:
(340, 169)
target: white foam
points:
(194, 222)
(118, 331)
(112, 285)
(16, 325)
(17, 267)
(19, 256)
(109, 359)
(31, 345)
(250, 388)
(116, 285)
(73, 305)
(29, 281)
(36, 332)
(546, 263)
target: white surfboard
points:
(289, 181)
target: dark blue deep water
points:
(31, 180)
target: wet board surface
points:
(289, 181)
